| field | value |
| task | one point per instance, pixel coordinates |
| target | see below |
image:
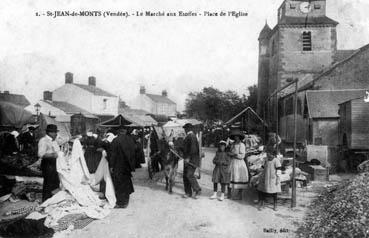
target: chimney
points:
(92, 81)
(164, 93)
(68, 78)
(48, 96)
(142, 90)
(6, 92)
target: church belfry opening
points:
(306, 41)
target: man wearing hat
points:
(48, 150)
(191, 162)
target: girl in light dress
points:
(221, 172)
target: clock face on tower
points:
(305, 7)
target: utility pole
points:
(293, 82)
(293, 201)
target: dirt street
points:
(152, 212)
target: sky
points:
(179, 54)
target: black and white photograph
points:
(184, 119)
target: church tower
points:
(305, 41)
(301, 45)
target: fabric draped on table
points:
(77, 196)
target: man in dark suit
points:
(191, 162)
(122, 164)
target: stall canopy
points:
(247, 118)
(130, 121)
(12, 115)
(174, 128)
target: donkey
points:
(164, 161)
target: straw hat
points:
(237, 132)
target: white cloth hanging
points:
(76, 179)
(77, 195)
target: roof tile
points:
(69, 108)
(95, 90)
(160, 99)
(16, 99)
(325, 103)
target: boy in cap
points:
(48, 150)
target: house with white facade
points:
(87, 96)
(61, 111)
(155, 104)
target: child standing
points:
(269, 182)
(221, 173)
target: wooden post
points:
(264, 124)
(277, 116)
(143, 138)
(293, 201)
(200, 152)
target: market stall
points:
(13, 116)
(14, 161)
(174, 128)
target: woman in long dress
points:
(239, 172)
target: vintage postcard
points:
(177, 118)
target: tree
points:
(213, 105)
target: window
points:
(292, 6)
(280, 108)
(105, 102)
(317, 6)
(306, 110)
(299, 106)
(306, 41)
(289, 106)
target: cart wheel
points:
(149, 168)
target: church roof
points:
(328, 70)
(265, 32)
(324, 20)
(342, 55)
(335, 65)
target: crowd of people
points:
(231, 170)
(123, 150)
(12, 142)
